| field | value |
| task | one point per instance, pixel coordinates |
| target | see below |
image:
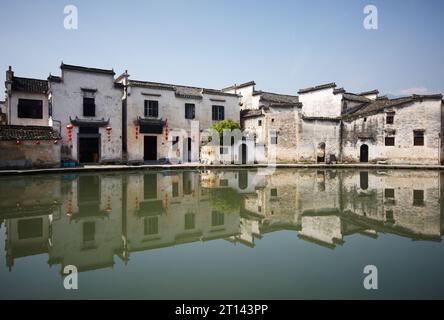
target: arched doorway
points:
(363, 155)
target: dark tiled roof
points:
(376, 91)
(180, 91)
(251, 113)
(88, 122)
(52, 78)
(188, 92)
(375, 106)
(355, 98)
(379, 105)
(86, 69)
(338, 90)
(8, 132)
(239, 86)
(29, 85)
(277, 98)
(320, 87)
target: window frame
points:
(26, 109)
(151, 108)
(87, 112)
(418, 134)
(218, 113)
(388, 144)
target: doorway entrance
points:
(150, 148)
(321, 152)
(189, 149)
(363, 156)
(88, 150)
(243, 152)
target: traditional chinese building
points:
(165, 121)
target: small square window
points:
(418, 138)
(190, 111)
(274, 192)
(418, 197)
(274, 140)
(389, 193)
(223, 182)
(89, 107)
(259, 123)
(389, 141)
(390, 118)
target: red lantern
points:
(56, 141)
(137, 132)
(108, 131)
(69, 127)
(37, 142)
(17, 142)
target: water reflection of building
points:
(27, 217)
(171, 208)
(89, 220)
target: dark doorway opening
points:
(320, 152)
(243, 152)
(363, 156)
(189, 150)
(150, 148)
(89, 149)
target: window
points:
(272, 119)
(274, 140)
(151, 108)
(175, 189)
(89, 107)
(390, 118)
(389, 141)
(190, 111)
(418, 197)
(217, 218)
(89, 231)
(274, 192)
(190, 221)
(151, 226)
(259, 123)
(218, 113)
(418, 137)
(32, 109)
(150, 186)
(365, 119)
(259, 209)
(389, 193)
(223, 182)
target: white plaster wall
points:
(321, 103)
(172, 109)
(13, 115)
(67, 101)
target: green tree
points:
(220, 126)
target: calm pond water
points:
(243, 234)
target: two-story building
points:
(86, 105)
(165, 121)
